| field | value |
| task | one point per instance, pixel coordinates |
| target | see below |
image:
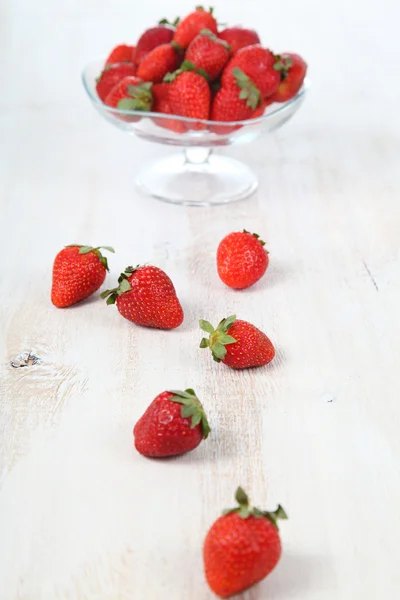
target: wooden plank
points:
(82, 515)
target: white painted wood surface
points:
(84, 517)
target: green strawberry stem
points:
(244, 510)
(174, 23)
(87, 249)
(123, 286)
(193, 408)
(218, 337)
(248, 89)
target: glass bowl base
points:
(212, 180)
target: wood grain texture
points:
(82, 516)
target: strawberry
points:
(122, 53)
(208, 53)
(227, 106)
(238, 37)
(260, 110)
(241, 259)
(259, 64)
(161, 104)
(242, 547)
(78, 272)
(238, 344)
(191, 26)
(160, 93)
(158, 62)
(111, 75)
(151, 38)
(293, 72)
(130, 94)
(146, 296)
(189, 94)
(237, 100)
(174, 423)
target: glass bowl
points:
(196, 176)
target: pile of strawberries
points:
(242, 546)
(190, 69)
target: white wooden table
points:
(82, 515)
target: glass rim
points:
(281, 108)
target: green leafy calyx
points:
(192, 409)
(256, 236)
(178, 49)
(283, 65)
(123, 286)
(139, 97)
(187, 65)
(248, 89)
(218, 338)
(210, 10)
(244, 510)
(96, 251)
(215, 38)
(173, 23)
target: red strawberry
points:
(242, 547)
(191, 26)
(151, 38)
(241, 259)
(120, 54)
(208, 53)
(189, 94)
(111, 75)
(235, 101)
(293, 72)
(78, 272)
(161, 104)
(130, 94)
(146, 296)
(160, 61)
(160, 93)
(227, 106)
(238, 37)
(238, 344)
(260, 110)
(174, 423)
(257, 63)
